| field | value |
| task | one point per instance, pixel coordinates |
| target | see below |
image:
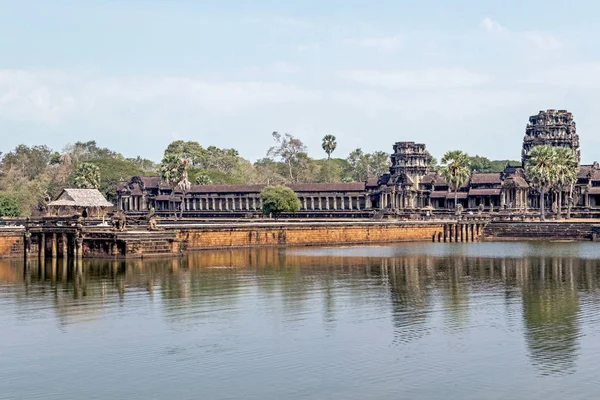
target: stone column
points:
(358, 203)
(65, 247)
(304, 203)
(350, 202)
(327, 203)
(54, 246)
(42, 246)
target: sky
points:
(135, 75)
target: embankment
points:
(305, 234)
(551, 230)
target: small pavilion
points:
(72, 201)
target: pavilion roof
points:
(80, 198)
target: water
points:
(413, 321)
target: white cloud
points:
(386, 45)
(493, 26)
(543, 40)
(417, 78)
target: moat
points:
(416, 320)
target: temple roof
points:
(297, 187)
(486, 178)
(484, 192)
(80, 198)
(584, 170)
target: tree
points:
(9, 206)
(203, 179)
(289, 150)
(87, 176)
(278, 199)
(174, 172)
(455, 170)
(30, 162)
(329, 144)
(565, 169)
(367, 165)
(539, 168)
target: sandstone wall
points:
(565, 230)
(306, 234)
(11, 244)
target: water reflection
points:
(418, 295)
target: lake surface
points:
(410, 321)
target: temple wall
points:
(564, 230)
(11, 244)
(307, 234)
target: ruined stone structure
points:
(552, 128)
(410, 186)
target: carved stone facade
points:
(410, 185)
(552, 128)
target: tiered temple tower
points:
(552, 128)
(410, 163)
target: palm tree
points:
(456, 171)
(87, 176)
(565, 175)
(541, 171)
(173, 171)
(329, 144)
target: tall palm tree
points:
(541, 171)
(173, 171)
(455, 170)
(565, 175)
(329, 144)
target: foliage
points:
(29, 162)
(565, 175)
(113, 171)
(484, 164)
(539, 168)
(87, 176)
(290, 151)
(455, 170)
(203, 179)
(363, 166)
(9, 206)
(329, 144)
(278, 199)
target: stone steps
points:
(538, 230)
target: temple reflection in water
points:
(418, 295)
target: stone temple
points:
(412, 185)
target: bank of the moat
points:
(70, 238)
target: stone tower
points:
(552, 128)
(410, 163)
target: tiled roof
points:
(372, 182)
(483, 178)
(594, 190)
(584, 170)
(297, 187)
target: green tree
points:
(363, 166)
(203, 179)
(278, 199)
(87, 176)
(329, 144)
(174, 171)
(29, 162)
(455, 170)
(9, 206)
(290, 151)
(540, 170)
(565, 175)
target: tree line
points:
(30, 176)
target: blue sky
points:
(136, 75)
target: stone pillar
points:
(65, 247)
(358, 203)
(54, 246)
(327, 203)
(42, 246)
(320, 203)
(304, 203)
